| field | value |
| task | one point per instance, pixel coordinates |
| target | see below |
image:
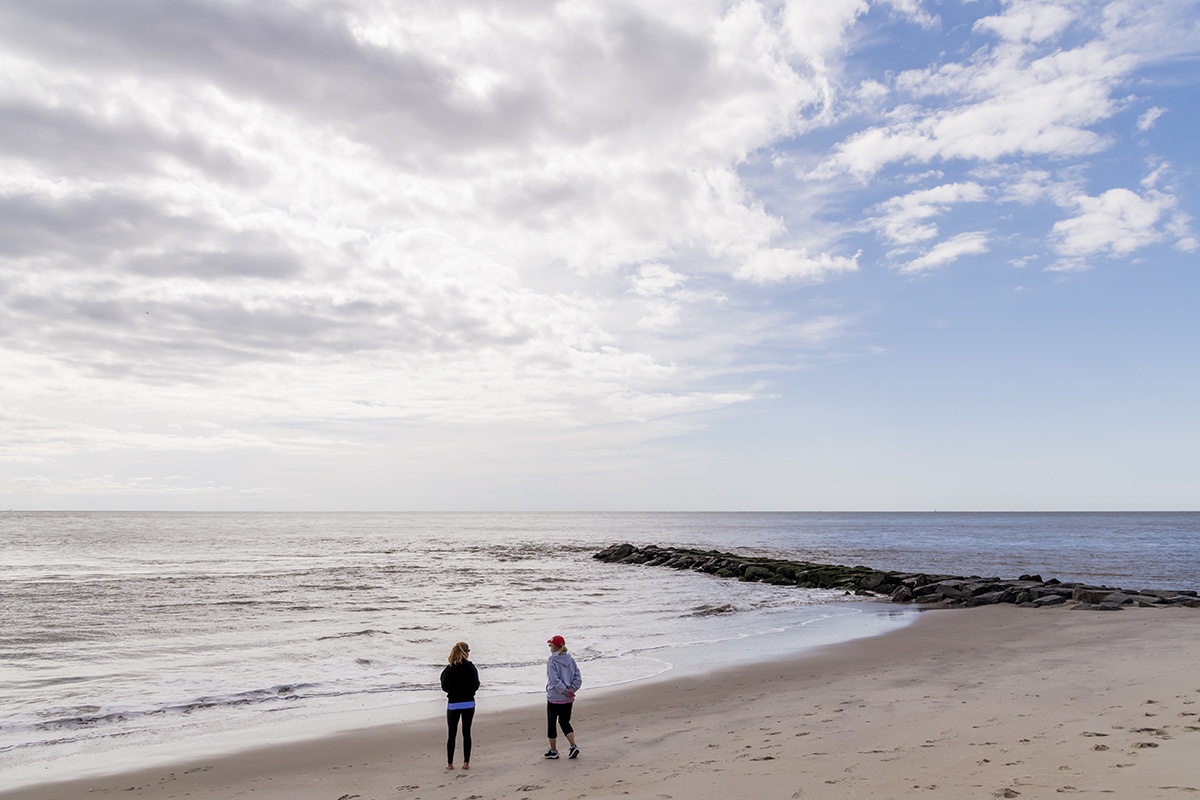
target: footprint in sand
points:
(1161, 733)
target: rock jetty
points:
(1027, 591)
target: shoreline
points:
(145, 750)
(969, 702)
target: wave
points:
(97, 721)
(367, 632)
(711, 610)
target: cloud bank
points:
(360, 228)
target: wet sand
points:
(988, 702)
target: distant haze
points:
(599, 255)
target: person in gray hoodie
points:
(562, 681)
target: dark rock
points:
(985, 599)
(1008, 595)
(1090, 594)
(1166, 594)
(873, 581)
(754, 572)
(1042, 591)
(615, 552)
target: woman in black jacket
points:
(460, 681)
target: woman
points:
(562, 681)
(460, 681)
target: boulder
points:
(985, 599)
(1090, 594)
(756, 572)
(1166, 593)
(872, 581)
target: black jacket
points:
(460, 681)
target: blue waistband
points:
(460, 706)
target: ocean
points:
(135, 637)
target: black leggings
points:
(560, 713)
(452, 718)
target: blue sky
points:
(369, 255)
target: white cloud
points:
(1039, 89)
(915, 11)
(772, 266)
(905, 219)
(1031, 20)
(101, 486)
(943, 253)
(1146, 120)
(655, 279)
(657, 285)
(390, 187)
(1115, 223)
(1001, 106)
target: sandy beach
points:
(987, 702)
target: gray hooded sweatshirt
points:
(562, 673)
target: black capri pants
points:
(560, 714)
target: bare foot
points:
(466, 765)
(449, 766)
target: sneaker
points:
(574, 752)
(551, 754)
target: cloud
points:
(1030, 21)
(943, 253)
(905, 219)
(1003, 105)
(772, 266)
(201, 189)
(1114, 223)
(102, 486)
(363, 227)
(1149, 117)
(1037, 89)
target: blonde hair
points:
(459, 653)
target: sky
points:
(379, 255)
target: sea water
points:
(130, 637)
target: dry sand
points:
(988, 702)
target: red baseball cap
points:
(557, 641)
